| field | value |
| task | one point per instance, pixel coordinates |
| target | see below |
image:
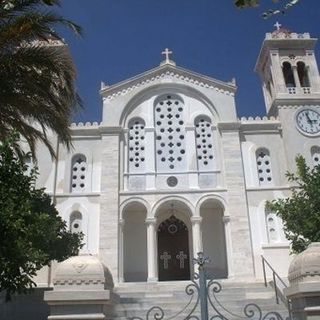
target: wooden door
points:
(173, 250)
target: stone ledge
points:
(302, 289)
(83, 297)
(93, 316)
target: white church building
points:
(171, 170)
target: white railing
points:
(295, 90)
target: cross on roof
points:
(277, 25)
(167, 52)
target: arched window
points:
(288, 75)
(78, 174)
(264, 166)
(303, 74)
(204, 142)
(76, 222)
(170, 133)
(136, 152)
(274, 225)
(315, 155)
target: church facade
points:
(171, 171)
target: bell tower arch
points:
(288, 69)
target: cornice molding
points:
(166, 71)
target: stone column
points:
(239, 232)
(109, 199)
(150, 158)
(304, 288)
(191, 162)
(121, 248)
(296, 76)
(196, 235)
(152, 249)
(227, 231)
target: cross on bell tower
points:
(277, 25)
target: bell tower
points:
(288, 69)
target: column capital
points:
(226, 219)
(151, 221)
(196, 219)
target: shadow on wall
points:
(28, 306)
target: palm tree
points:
(37, 75)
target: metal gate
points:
(203, 293)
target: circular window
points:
(172, 228)
(172, 181)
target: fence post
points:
(203, 291)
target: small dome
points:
(305, 267)
(85, 271)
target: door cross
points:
(181, 257)
(165, 257)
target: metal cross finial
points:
(167, 52)
(277, 25)
(201, 260)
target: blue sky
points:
(123, 38)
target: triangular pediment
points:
(166, 71)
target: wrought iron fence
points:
(203, 293)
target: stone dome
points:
(85, 271)
(305, 267)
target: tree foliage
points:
(37, 76)
(280, 8)
(301, 211)
(31, 231)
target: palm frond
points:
(37, 79)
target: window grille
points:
(76, 222)
(170, 133)
(264, 166)
(204, 143)
(78, 174)
(136, 145)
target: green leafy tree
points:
(37, 75)
(301, 211)
(31, 231)
(280, 8)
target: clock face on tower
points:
(308, 121)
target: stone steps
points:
(137, 298)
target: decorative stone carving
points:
(82, 290)
(86, 271)
(304, 289)
(306, 266)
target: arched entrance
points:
(213, 238)
(173, 250)
(135, 267)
